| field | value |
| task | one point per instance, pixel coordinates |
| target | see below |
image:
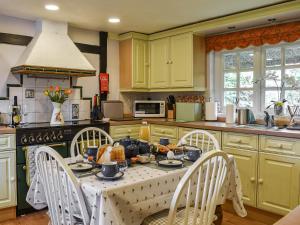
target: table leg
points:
(219, 214)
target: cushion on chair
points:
(161, 218)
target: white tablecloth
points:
(141, 192)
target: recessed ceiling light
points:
(52, 7)
(114, 20)
(272, 20)
(231, 27)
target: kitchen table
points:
(144, 190)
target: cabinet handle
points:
(171, 62)
(57, 145)
(24, 167)
(168, 62)
(12, 179)
(129, 130)
(252, 179)
(163, 131)
(260, 181)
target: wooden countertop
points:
(7, 130)
(218, 126)
(293, 218)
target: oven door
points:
(149, 109)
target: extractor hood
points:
(52, 52)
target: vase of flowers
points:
(57, 96)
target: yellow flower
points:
(46, 92)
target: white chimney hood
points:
(52, 52)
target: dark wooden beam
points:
(86, 48)
(14, 39)
(103, 56)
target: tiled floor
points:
(41, 218)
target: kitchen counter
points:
(7, 130)
(218, 126)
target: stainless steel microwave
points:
(147, 108)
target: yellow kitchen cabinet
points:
(122, 131)
(247, 166)
(159, 63)
(159, 131)
(178, 62)
(134, 64)
(278, 183)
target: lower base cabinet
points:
(247, 165)
(278, 183)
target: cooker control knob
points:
(31, 139)
(39, 138)
(46, 138)
(24, 139)
(60, 135)
(53, 137)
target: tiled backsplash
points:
(39, 108)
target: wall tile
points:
(42, 106)
(42, 83)
(29, 118)
(16, 91)
(75, 94)
(84, 105)
(43, 117)
(66, 106)
(29, 105)
(29, 82)
(58, 82)
(39, 94)
(4, 106)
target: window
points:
(246, 75)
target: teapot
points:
(130, 145)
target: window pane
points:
(292, 55)
(246, 99)
(230, 80)
(273, 57)
(246, 79)
(246, 60)
(292, 96)
(273, 77)
(229, 97)
(271, 96)
(229, 61)
(292, 77)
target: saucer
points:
(116, 177)
(80, 167)
(170, 163)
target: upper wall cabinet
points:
(178, 62)
(134, 64)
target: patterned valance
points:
(274, 34)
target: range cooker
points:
(57, 137)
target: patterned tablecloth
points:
(141, 192)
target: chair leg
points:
(219, 214)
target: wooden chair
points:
(90, 136)
(201, 139)
(62, 190)
(200, 200)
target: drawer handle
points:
(260, 181)
(281, 146)
(12, 179)
(252, 179)
(129, 130)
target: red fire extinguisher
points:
(104, 83)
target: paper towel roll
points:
(211, 111)
(230, 113)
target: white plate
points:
(170, 163)
(80, 167)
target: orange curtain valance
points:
(288, 32)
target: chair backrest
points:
(201, 139)
(62, 189)
(202, 185)
(90, 136)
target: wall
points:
(39, 108)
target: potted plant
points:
(57, 96)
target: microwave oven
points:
(149, 108)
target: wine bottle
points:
(15, 115)
(95, 108)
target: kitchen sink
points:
(257, 126)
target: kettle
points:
(130, 145)
(245, 116)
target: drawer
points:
(164, 131)
(7, 141)
(155, 139)
(240, 141)
(184, 131)
(288, 146)
(118, 132)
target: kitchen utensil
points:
(80, 167)
(164, 141)
(230, 113)
(144, 131)
(144, 147)
(110, 169)
(130, 145)
(211, 111)
(117, 176)
(245, 116)
(193, 154)
(112, 109)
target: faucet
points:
(269, 120)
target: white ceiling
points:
(145, 16)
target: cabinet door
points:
(7, 179)
(181, 60)
(278, 183)
(247, 165)
(140, 64)
(159, 63)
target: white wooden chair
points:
(199, 201)
(90, 136)
(201, 139)
(62, 190)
